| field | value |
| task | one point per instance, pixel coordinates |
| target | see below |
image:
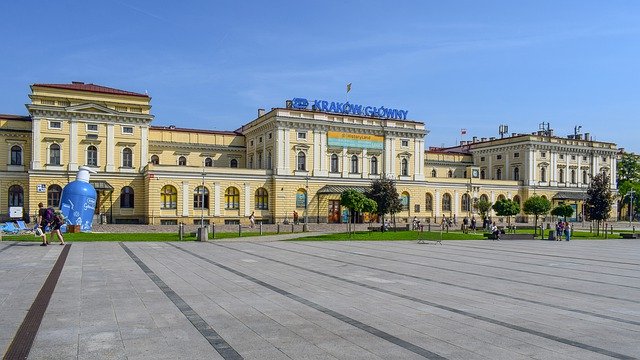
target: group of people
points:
(48, 219)
(469, 224)
(563, 227)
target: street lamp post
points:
(630, 205)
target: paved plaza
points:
(261, 299)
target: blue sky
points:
(451, 64)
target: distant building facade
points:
(286, 160)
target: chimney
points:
(587, 136)
(550, 132)
(492, 138)
(463, 143)
(514, 134)
(578, 137)
(483, 139)
(261, 112)
(475, 139)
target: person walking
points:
(559, 230)
(473, 224)
(252, 219)
(58, 221)
(41, 224)
(567, 231)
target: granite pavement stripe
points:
(488, 276)
(218, 343)
(458, 285)
(22, 341)
(557, 256)
(475, 256)
(7, 247)
(353, 322)
(457, 311)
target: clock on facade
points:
(475, 173)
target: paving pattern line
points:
(502, 268)
(448, 308)
(479, 275)
(8, 246)
(217, 342)
(23, 340)
(353, 322)
(503, 260)
(551, 255)
(489, 292)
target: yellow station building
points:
(287, 160)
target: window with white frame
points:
(54, 154)
(55, 125)
(302, 135)
(404, 143)
(127, 130)
(92, 127)
(127, 158)
(92, 156)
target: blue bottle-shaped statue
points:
(78, 200)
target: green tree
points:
(536, 205)
(628, 180)
(599, 199)
(354, 200)
(506, 207)
(562, 210)
(483, 207)
(384, 193)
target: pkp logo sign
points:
(299, 103)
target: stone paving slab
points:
(329, 300)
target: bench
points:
(630, 236)
(430, 241)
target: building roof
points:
(173, 128)
(339, 189)
(15, 117)
(568, 195)
(80, 86)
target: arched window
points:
(466, 202)
(334, 163)
(126, 197)
(208, 162)
(404, 167)
(53, 196)
(54, 154)
(482, 174)
(354, 164)
(573, 176)
(127, 158)
(262, 199)
(182, 161)
(543, 174)
(484, 197)
(404, 201)
(155, 160)
(428, 202)
(302, 161)
(233, 163)
(501, 197)
(168, 197)
(434, 173)
(201, 198)
(516, 199)
(561, 175)
(516, 174)
(374, 165)
(232, 198)
(499, 174)
(16, 155)
(16, 195)
(585, 178)
(301, 198)
(450, 174)
(446, 202)
(269, 161)
(92, 156)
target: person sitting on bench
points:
(495, 231)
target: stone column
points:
(73, 145)
(216, 199)
(247, 199)
(110, 147)
(36, 152)
(185, 198)
(144, 147)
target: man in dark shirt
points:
(42, 224)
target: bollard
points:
(278, 229)
(239, 230)
(292, 227)
(633, 229)
(261, 228)
(429, 227)
(611, 229)
(213, 231)
(181, 231)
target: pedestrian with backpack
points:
(58, 221)
(42, 223)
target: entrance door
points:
(334, 211)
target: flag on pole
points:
(348, 87)
(463, 131)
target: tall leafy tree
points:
(483, 207)
(562, 210)
(352, 199)
(506, 207)
(628, 180)
(536, 205)
(599, 199)
(384, 193)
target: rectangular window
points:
(404, 143)
(121, 108)
(64, 103)
(561, 156)
(584, 158)
(92, 127)
(127, 130)
(168, 222)
(573, 157)
(302, 135)
(604, 158)
(543, 154)
(482, 158)
(499, 157)
(55, 125)
(47, 102)
(515, 155)
(232, 222)
(135, 110)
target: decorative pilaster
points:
(216, 199)
(185, 198)
(144, 147)
(247, 199)
(111, 147)
(36, 152)
(73, 145)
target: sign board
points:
(349, 140)
(41, 188)
(15, 212)
(350, 109)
